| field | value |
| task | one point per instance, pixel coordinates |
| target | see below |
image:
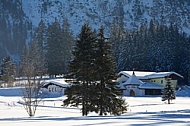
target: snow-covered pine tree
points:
(107, 94)
(168, 91)
(81, 70)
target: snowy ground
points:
(142, 111)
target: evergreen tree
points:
(23, 61)
(106, 90)
(54, 46)
(30, 64)
(40, 40)
(8, 71)
(168, 92)
(68, 44)
(117, 38)
(93, 69)
(80, 69)
(151, 56)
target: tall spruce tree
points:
(93, 69)
(40, 40)
(68, 44)
(54, 47)
(168, 91)
(117, 38)
(106, 91)
(80, 69)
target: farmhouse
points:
(140, 83)
(54, 87)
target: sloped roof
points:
(147, 85)
(149, 75)
(58, 82)
(139, 74)
(133, 80)
(163, 74)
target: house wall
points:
(159, 81)
(163, 81)
(53, 89)
(137, 91)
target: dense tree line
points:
(58, 47)
(149, 48)
(152, 48)
(53, 45)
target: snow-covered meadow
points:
(142, 111)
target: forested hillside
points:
(15, 29)
(146, 35)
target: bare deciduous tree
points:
(31, 96)
(29, 68)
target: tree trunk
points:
(168, 101)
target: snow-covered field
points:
(142, 111)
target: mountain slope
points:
(15, 28)
(19, 18)
(130, 13)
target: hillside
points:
(130, 13)
(19, 18)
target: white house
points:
(140, 83)
(54, 87)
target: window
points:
(152, 91)
(161, 81)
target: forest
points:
(152, 48)
(155, 47)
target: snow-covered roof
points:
(139, 74)
(163, 74)
(146, 85)
(58, 82)
(149, 75)
(133, 80)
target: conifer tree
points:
(168, 92)
(54, 47)
(106, 91)
(117, 38)
(68, 44)
(8, 71)
(80, 69)
(40, 40)
(93, 69)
